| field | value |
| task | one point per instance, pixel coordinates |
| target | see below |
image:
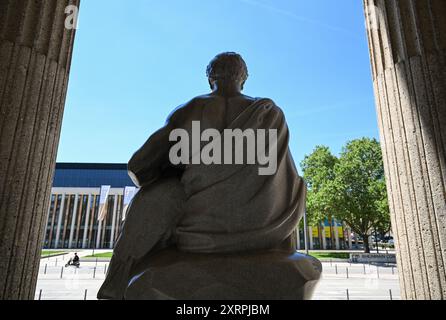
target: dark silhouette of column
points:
(36, 42)
(407, 40)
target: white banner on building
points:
(105, 190)
(129, 193)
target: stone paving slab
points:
(364, 282)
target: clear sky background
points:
(136, 60)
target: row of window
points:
(73, 222)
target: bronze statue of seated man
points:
(219, 201)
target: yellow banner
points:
(327, 232)
(341, 232)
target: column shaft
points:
(98, 236)
(336, 235)
(35, 56)
(310, 238)
(114, 218)
(45, 225)
(324, 239)
(407, 41)
(87, 216)
(73, 221)
(59, 221)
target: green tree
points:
(318, 172)
(358, 191)
(383, 226)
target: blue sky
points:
(134, 61)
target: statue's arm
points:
(148, 163)
(152, 159)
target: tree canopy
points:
(351, 188)
(318, 171)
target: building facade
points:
(77, 219)
(73, 217)
(328, 235)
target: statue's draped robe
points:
(212, 208)
(231, 208)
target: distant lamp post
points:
(306, 232)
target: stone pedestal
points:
(270, 275)
(35, 56)
(407, 41)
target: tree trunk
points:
(366, 243)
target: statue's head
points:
(228, 67)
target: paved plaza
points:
(341, 280)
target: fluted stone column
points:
(407, 41)
(35, 56)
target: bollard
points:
(45, 269)
(348, 295)
(61, 273)
(40, 294)
(390, 293)
(85, 295)
(393, 271)
(364, 267)
(336, 268)
(94, 273)
(105, 269)
(346, 269)
(377, 271)
(55, 263)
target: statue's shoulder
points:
(272, 106)
(184, 110)
(200, 101)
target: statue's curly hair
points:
(227, 66)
